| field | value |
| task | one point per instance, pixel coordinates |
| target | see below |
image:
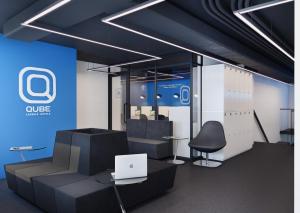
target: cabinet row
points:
(237, 80)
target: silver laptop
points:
(130, 166)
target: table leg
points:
(175, 161)
(119, 198)
(22, 156)
(175, 155)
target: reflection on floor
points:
(258, 181)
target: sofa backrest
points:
(151, 129)
(104, 148)
(157, 129)
(136, 128)
(90, 131)
(97, 151)
(62, 148)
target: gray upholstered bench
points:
(155, 149)
(90, 195)
(69, 183)
(146, 136)
(45, 186)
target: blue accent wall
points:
(20, 122)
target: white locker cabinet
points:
(228, 98)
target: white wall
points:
(238, 108)
(269, 97)
(117, 113)
(213, 98)
(213, 93)
(180, 116)
(92, 97)
(227, 98)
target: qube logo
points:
(185, 95)
(37, 85)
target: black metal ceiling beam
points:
(13, 28)
(182, 28)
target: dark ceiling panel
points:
(218, 14)
(181, 28)
(95, 51)
(280, 20)
(94, 29)
(208, 26)
(81, 10)
(10, 8)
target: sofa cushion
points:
(146, 140)
(155, 149)
(161, 176)
(11, 168)
(24, 177)
(86, 196)
(96, 194)
(44, 169)
(44, 188)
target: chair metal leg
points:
(207, 162)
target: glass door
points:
(142, 94)
(119, 104)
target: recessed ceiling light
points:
(176, 95)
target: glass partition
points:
(164, 92)
(142, 91)
(173, 91)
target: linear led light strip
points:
(263, 6)
(109, 19)
(124, 64)
(137, 80)
(164, 74)
(239, 14)
(47, 10)
(60, 3)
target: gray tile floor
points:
(258, 181)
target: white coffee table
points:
(175, 139)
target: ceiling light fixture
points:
(263, 6)
(59, 4)
(133, 9)
(46, 11)
(176, 95)
(239, 15)
(96, 42)
(109, 19)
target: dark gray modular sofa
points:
(68, 182)
(146, 136)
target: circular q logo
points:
(185, 95)
(37, 85)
